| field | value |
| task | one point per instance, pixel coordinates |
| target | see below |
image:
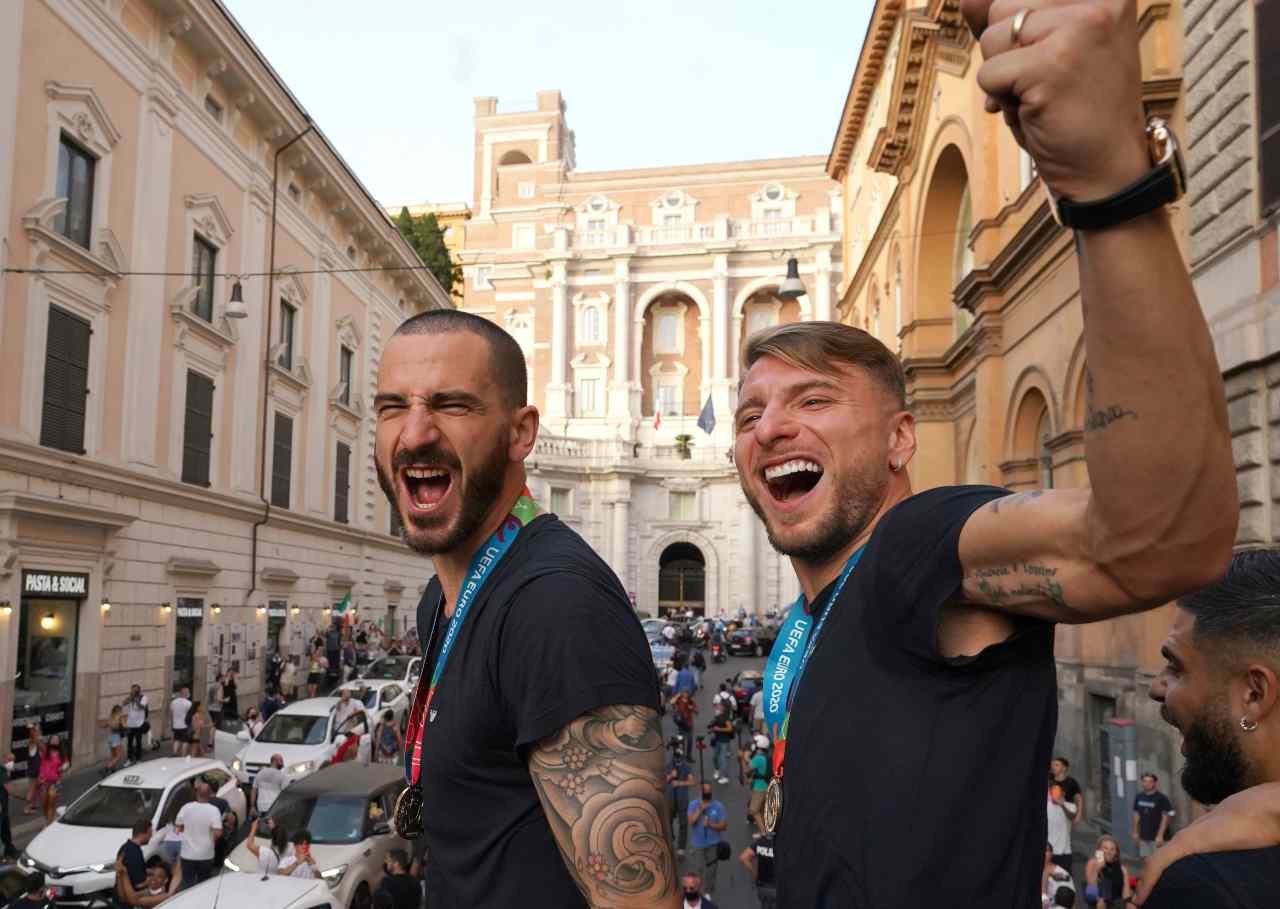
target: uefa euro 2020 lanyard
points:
(408, 810)
(798, 635)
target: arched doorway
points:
(943, 254)
(682, 584)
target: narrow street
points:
(734, 888)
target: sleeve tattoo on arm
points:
(600, 780)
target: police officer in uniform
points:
(758, 859)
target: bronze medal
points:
(773, 805)
(408, 813)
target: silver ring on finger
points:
(1019, 20)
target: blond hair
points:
(822, 346)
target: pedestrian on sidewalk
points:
(1106, 877)
(253, 720)
(270, 856)
(228, 695)
(267, 786)
(316, 670)
(200, 823)
(683, 708)
(1152, 811)
(136, 724)
(398, 884)
(131, 864)
(388, 744)
(758, 776)
(197, 726)
(179, 708)
(289, 679)
(53, 767)
(679, 781)
(758, 860)
(115, 740)
(694, 898)
(707, 820)
(721, 739)
(34, 745)
(6, 828)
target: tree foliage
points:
(427, 239)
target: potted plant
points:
(684, 445)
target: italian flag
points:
(344, 609)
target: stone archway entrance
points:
(682, 573)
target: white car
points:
(77, 852)
(348, 811)
(402, 669)
(379, 696)
(275, 892)
(305, 734)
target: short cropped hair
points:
(141, 825)
(1063, 761)
(506, 359)
(1239, 615)
(301, 837)
(822, 346)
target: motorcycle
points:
(718, 654)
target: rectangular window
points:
(559, 500)
(667, 337)
(281, 461)
(288, 315)
(345, 357)
(204, 256)
(1267, 29)
(683, 506)
(522, 236)
(75, 184)
(341, 483)
(588, 397)
(773, 214)
(213, 108)
(666, 400)
(481, 279)
(595, 225)
(66, 382)
(197, 429)
(526, 189)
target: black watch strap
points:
(1158, 187)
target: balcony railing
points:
(721, 229)
(583, 453)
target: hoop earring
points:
(1247, 725)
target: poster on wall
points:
(237, 649)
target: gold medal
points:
(408, 813)
(773, 805)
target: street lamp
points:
(236, 308)
(791, 288)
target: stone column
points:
(747, 567)
(558, 389)
(320, 352)
(249, 355)
(822, 284)
(720, 379)
(619, 391)
(148, 308)
(620, 534)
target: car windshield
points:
(112, 806)
(331, 819)
(294, 729)
(388, 668)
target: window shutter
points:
(341, 482)
(197, 435)
(1268, 32)
(282, 461)
(66, 382)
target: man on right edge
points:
(917, 668)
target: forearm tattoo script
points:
(600, 780)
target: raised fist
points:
(1067, 76)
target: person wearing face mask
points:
(253, 720)
(707, 823)
(6, 834)
(268, 785)
(693, 896)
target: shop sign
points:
(278, 612)
(190, 609)
(54, 584)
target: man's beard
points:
(1216, 767)
(854, 502)
(481, 488)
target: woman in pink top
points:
(53, 765)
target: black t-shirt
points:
(135, 864)
(550, 636)
(763, 848)
(403, 889)
(1245, 879)
(1070, 789)
(1150, 809)
(912, 779)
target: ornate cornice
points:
(870, 65)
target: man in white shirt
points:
(200, 823)
(1059, 833)
(136, 722)
(268, 785)
(346, 708)
(757, 710)
(179, 707)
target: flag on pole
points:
(343, 610)
(657, 419)
(707, 419)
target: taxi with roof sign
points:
(77, 852)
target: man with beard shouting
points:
(534, 750)
(917, 668)
(1220, 687)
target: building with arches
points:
(954, 260)
(632, 293)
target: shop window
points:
(66, 382)
(197, 430)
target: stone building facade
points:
(953, 258)
(143, 432)
(631, 293)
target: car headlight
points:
(81, 869)
(304, 767)
(230, 865)
(333, 877)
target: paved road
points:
(734, 889)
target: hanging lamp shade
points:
(791, 287)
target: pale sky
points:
(391, 82)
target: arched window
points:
(515, 156)
(963, 257)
